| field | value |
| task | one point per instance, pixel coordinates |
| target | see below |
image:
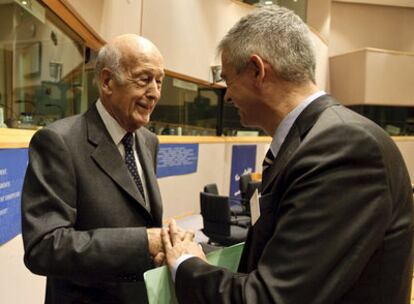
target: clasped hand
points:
(168, 244)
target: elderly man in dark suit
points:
(91, 204)
(336, 214)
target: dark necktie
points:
(128, 142)
(267, 162)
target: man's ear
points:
(107, 81)
(259, 68)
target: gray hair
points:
(278, 36)
(108, 57)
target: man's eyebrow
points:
(147, 71)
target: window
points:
(42, 70)
(396, 121)
(188, 108)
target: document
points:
(254, 207)
(160, 288)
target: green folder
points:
(160, 288)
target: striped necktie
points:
(128, 141)
(268, 161)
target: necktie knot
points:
(127, 140)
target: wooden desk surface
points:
(19, 138)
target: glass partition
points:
(188, 108)
(396, 121)
(232, 125)
(46, 73)
(42, 66)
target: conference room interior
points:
(48, 49)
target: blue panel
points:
(177, 159)
(13, 163)
(243, 161)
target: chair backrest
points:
(215, 211)
(243, 183)
(211, 188)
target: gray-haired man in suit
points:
(336, 209)
(91, 202)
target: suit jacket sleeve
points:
(328, 219)
(53, 246)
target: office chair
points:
(218, 225)
(243, 182)
(238, 215)
(235, 209)
(211, 188)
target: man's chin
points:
(244, 122)
(248, 124)
(136, 125)
(141, 120)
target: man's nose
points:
(154, 90)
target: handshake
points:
(166, 245)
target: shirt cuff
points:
(178, 262)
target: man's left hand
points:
(175, 245)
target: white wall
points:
(89, 11)
(120, 17)
(180, 194)
(188, 31)
(318, 16)
(109, 18)
(355, 26)
(322, 62)
(17, 284)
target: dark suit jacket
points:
(336, 222)
(83, 217)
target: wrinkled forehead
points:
(142, 59)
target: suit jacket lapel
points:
(107, 156)
(290, 144)
(300, 128)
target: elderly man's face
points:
(132, 102)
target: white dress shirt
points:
(286, 124)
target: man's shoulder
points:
(148, 134)
(341, 117)
(66, 122)
(66, 127)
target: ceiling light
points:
(268, 2)
(24, 2)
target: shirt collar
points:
(287, 122)
(115, 130)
